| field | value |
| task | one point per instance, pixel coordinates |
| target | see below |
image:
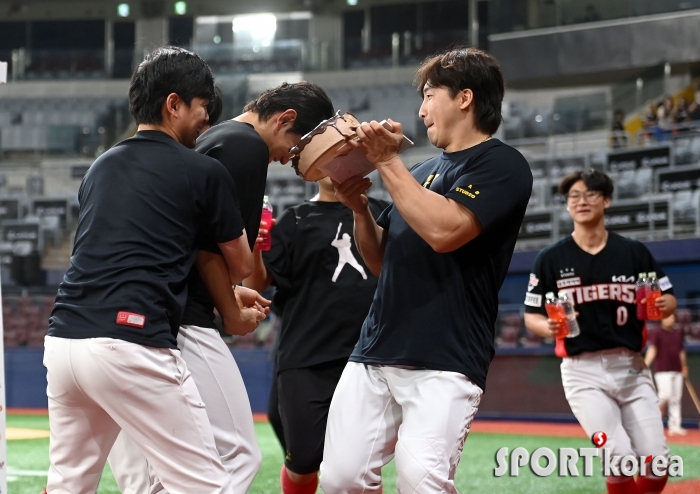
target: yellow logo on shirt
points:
(466, 192)
(430, 179)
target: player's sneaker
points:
(677, 432)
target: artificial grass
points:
(475, 473)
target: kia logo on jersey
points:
(623, 279)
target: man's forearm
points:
(370, 240)
(537, 323)
(260, 279)
(442, 223)
(215, 274)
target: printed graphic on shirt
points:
(469, 191)
(533, 300)
(533, 282)
(566, 282)
(665, 283)
(621, 292)
(566, 272)
(345, 255)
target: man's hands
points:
(379, 145)
(264, 230)
(353, 193)
(253, 309)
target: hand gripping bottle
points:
(267, 218)
(653, 292)
(640, 292)
(555, 311)
(570, 314)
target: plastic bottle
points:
(267, 218)
(640, 292)
(555, 311)
(653, 292)
(570, 313)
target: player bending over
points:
(415, 378)
(606, 381)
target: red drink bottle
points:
(267, 218)
(555, 311)
(653, 293)
(640, 292)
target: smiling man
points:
(415, 378)
(606, 381)
(111, 352)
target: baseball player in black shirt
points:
(606, 381)
(415, 378)
(266, 130)
(111, 353)
(324, 291)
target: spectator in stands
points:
(680, 112)
(694, 108)
(649, 119)
(664, 112)
(591, 14)
(619, 136)
(670, 369)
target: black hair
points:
(216, 106)
(467, 68)
(167, 70)
(311, 103)
(594, 180)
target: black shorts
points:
(304, 399)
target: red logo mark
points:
(599, 439)
(131, 319)
(648, 460)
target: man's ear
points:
(171, 105)
(286, 118)
(466, 98)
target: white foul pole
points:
(3, 418)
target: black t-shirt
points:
(322, 295)
(602, 289)
(245, 155)
(144, 206)
(438, 311)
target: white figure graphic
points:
(345, 255)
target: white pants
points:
(99, 386)
(422, 417)
(670, 388)
(220, 384)
(612, 391)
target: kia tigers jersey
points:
(602, 287)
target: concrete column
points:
(473, 24)
(150, 34)
(326, 35)
(109, 48)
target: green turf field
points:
(28, 461)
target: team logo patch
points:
(665, 284)
(533, 282)
(533, 300)
(566, 272)
(567, 282)
(131, 319)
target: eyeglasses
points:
(589, 196)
